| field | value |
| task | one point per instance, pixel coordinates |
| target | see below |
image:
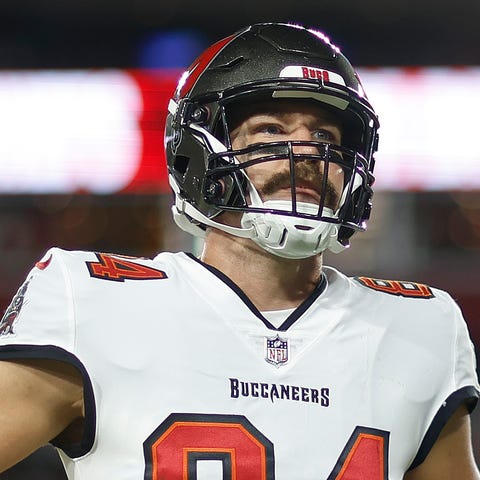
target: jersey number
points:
(176, 448)
(117, 269)
(397, 287)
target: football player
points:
(254, 361)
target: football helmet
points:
(270, 61)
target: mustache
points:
(305, 174)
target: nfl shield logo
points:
(277, 351)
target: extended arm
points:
(38, 400)
(451, 458)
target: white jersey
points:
(185, 379)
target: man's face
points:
(283, 120)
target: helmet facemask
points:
(288, 225)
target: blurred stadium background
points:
(83, 90)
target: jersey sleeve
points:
(40, 314)
(465, 378)
(461, 384)
(39, 323)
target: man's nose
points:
(303, 134)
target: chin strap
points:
(293, 237)
(288, 236)
(182, 212)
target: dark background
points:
(108, 33)
(438, 246)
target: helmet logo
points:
(316, 73)
(299, 71)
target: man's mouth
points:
(303, 193)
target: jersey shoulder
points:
(386, 289)
(65, 284)
(108, 266)
(400, 302)
(419, 297)
(398, 288)
(412, 317)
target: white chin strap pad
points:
(293, 237)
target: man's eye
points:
(270, 129)
(323, 136)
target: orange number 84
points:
(173, 450)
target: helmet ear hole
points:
(200, 115)
(214, 189)
(181, 164)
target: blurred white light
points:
(429, 127)
(68, 131)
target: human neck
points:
(269, 281)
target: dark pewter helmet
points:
(269, 61)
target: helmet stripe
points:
(198, 66)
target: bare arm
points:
(451, 457)
(38, 400)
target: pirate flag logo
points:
(13, 310)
